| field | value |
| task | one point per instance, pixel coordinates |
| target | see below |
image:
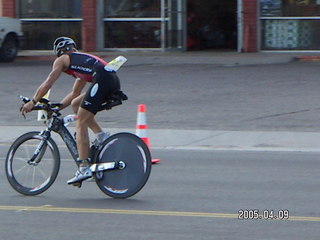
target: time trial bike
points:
(121, 165)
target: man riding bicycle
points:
(85, 68)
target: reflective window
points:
(132, 8)
(50, 8)
(40, 35)
(290, 8)
(132, 35)
(271, 7)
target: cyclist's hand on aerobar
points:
(27, 107)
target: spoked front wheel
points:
(134, 165)
(32, 163)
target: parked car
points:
(10, 38)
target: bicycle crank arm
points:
(99, 167)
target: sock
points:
(84, 163)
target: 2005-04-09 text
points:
(255, 214)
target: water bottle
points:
(115, 64)
(42, 116)
(69, 118)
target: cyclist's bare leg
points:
(92, 124)
(84, 172)
(84, 118)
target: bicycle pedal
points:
(77, 184)
(92, 179)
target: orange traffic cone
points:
(141, 127)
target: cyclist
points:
(85, 68)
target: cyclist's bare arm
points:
(76, 91)
(59, 65)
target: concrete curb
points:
(196, 57)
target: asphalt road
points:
(278, 97)
(190, 195)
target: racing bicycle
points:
(121, 165)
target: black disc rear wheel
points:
(134, 153)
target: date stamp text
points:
(255, 214)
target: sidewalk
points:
(223, 58)
(203, 140)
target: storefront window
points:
(45, 20)
(132, 24)
(40, 35)
(290, 24)
(291, 34)
(50, 8)
(290, 8)
(132, 35)
(271, 7)
(132, 8)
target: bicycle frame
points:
(56, 124)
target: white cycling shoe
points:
(82, 174)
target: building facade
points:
(239, 25)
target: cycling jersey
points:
(84, 65)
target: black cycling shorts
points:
(103, 86)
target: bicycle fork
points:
(41, 149)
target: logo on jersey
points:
(80, 68)
(94, 90)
